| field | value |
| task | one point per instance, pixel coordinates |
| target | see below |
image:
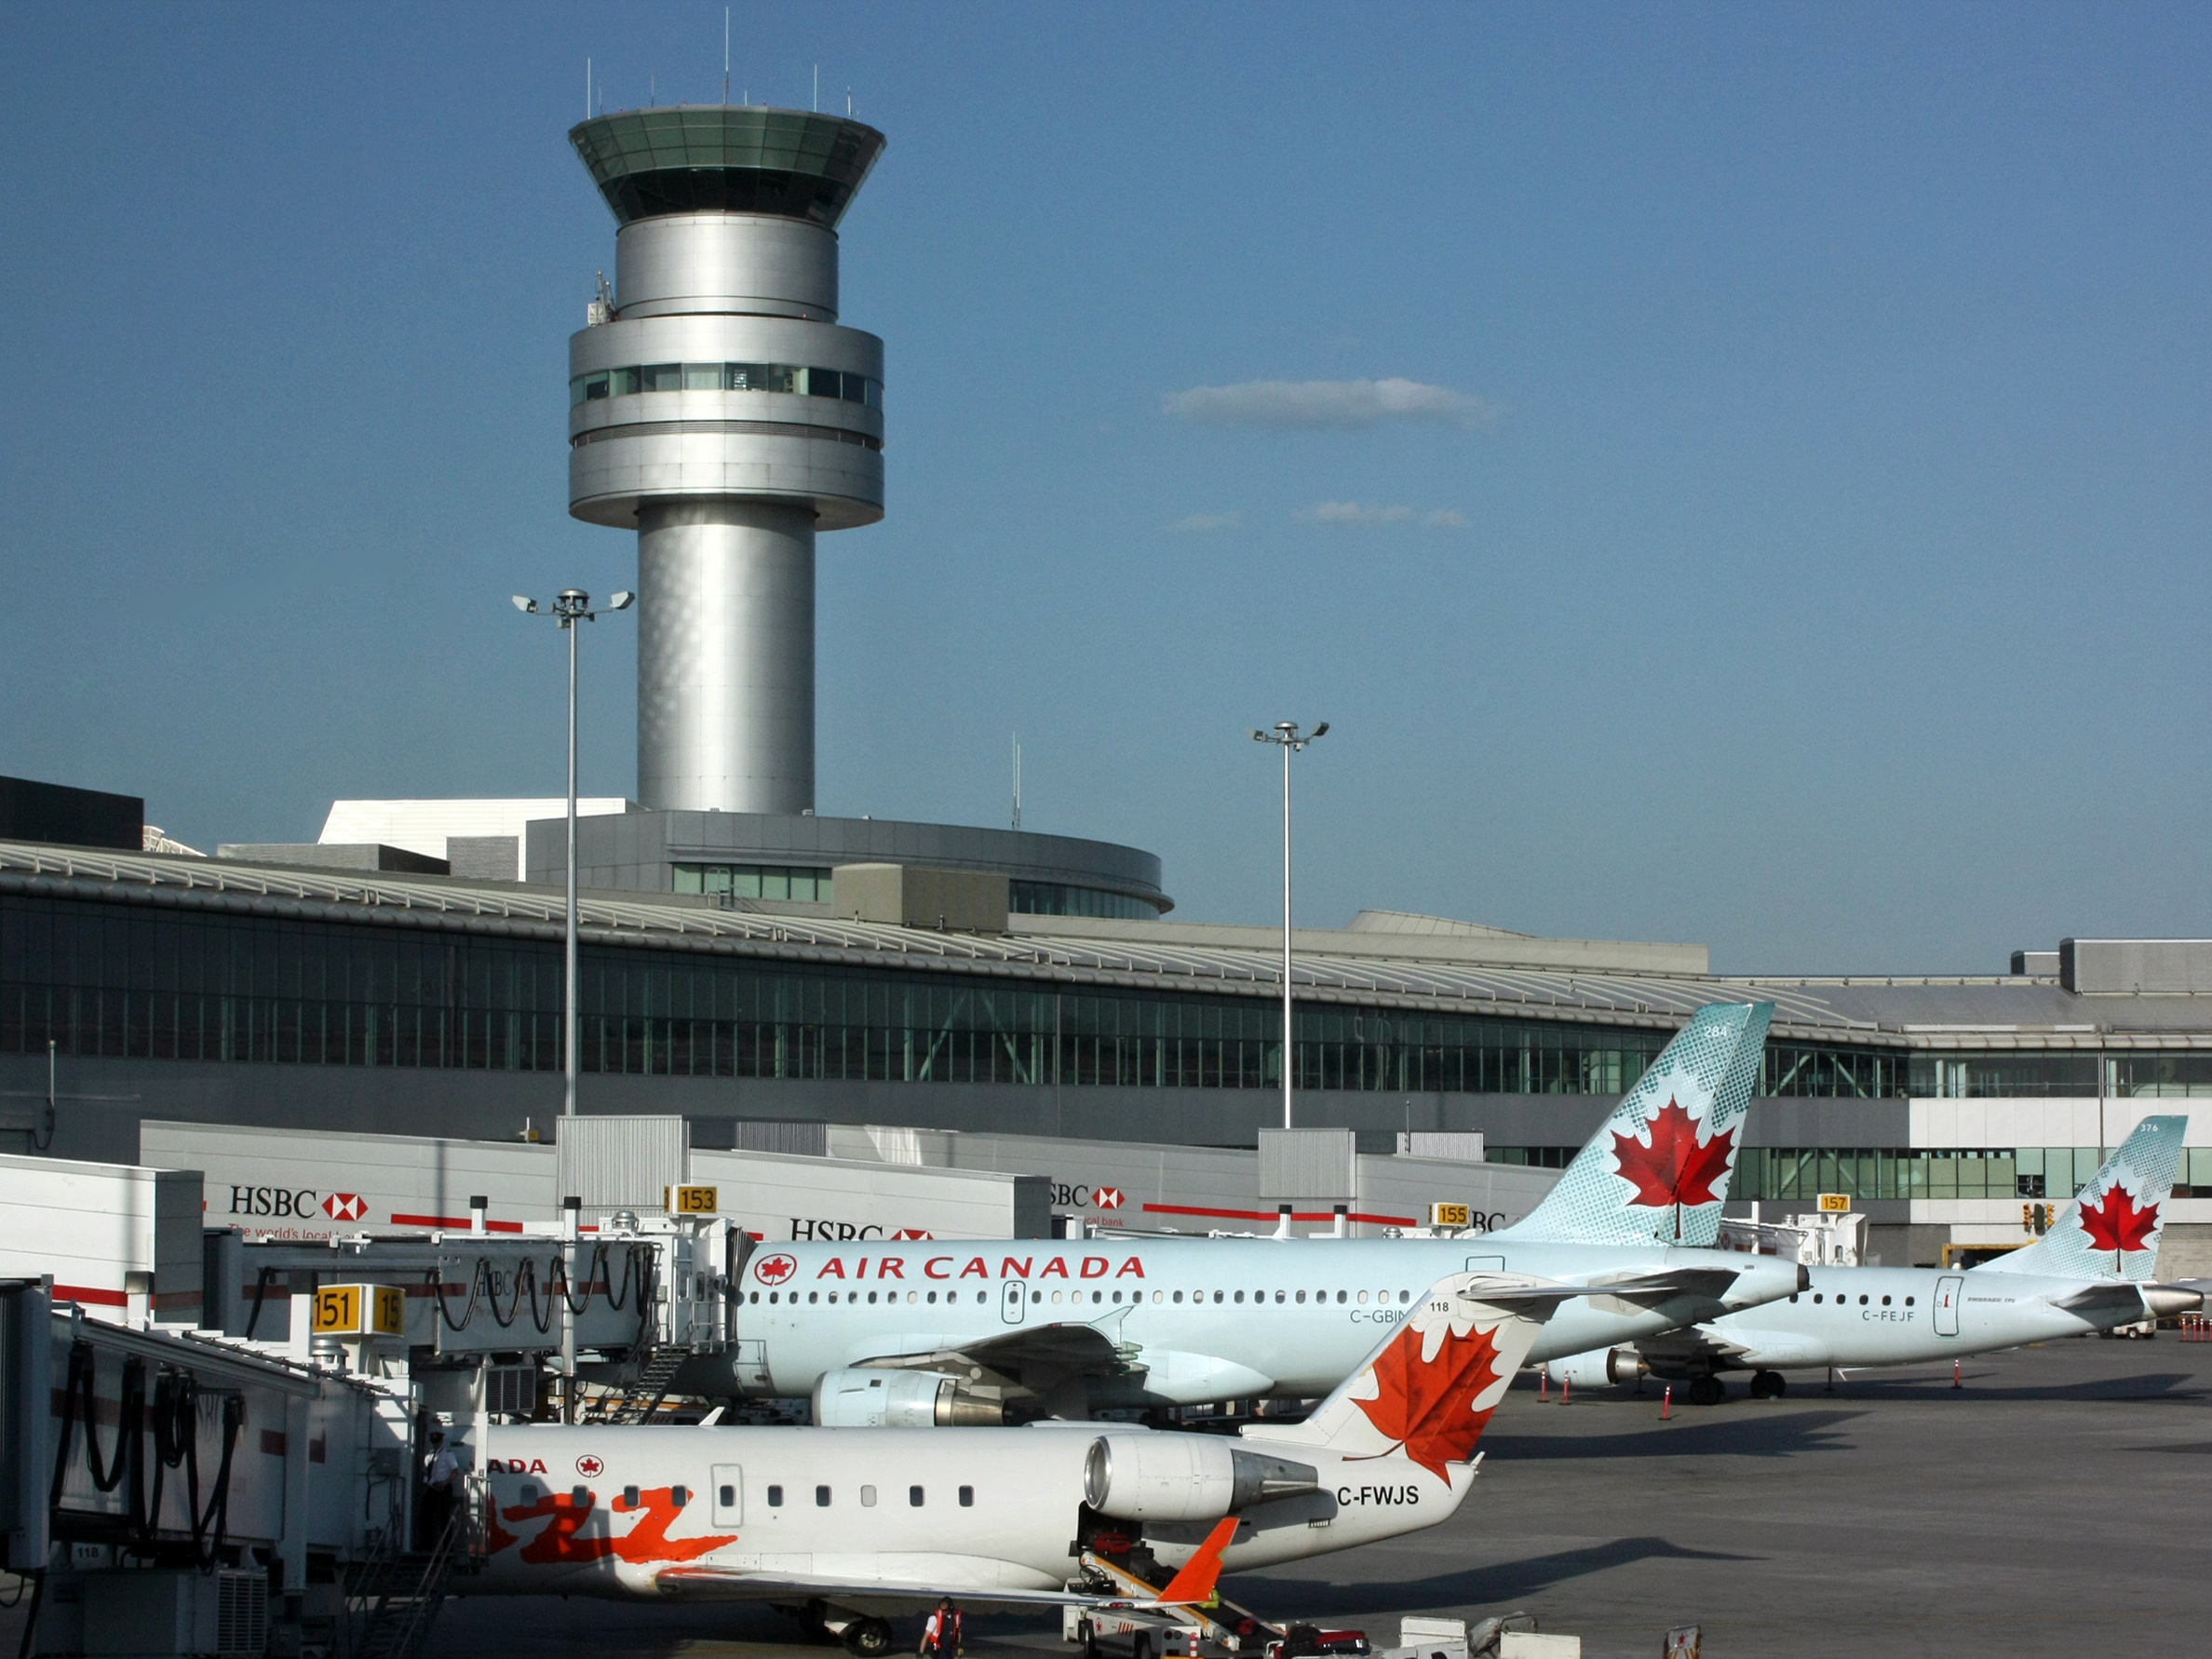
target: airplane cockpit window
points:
(967, 1497)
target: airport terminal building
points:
(177, 988)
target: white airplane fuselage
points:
(1895, 1316)
(1192, 1319)
(604, 1511)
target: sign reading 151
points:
(361, 1310)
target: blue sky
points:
(1791, 536)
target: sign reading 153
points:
(691, 1200)
(361, 1310)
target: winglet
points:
(1195, 1585)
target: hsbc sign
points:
(1081, 1196)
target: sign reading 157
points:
(361, 1310)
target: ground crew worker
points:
(940, 1636)
(441, 1480)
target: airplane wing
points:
(2118, 1298)
(699, 1582)
(966, 1578)
(1651, 1288)
(1055, 1348)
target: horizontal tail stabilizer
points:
(2111, 1230)
(1428, 1389)
(1658, 1171)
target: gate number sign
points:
(693, 1201)
(1450, 1215)
(361, 1310)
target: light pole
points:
(1286, 734)
(571, 606)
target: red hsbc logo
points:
(1107, 1197)
(913, 1232)
(345, 1207)
(775, 1269)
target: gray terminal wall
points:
(637, 852)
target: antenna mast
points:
(725, 55)
(1018, 780)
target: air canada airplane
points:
(842, 1527)
(2091, 1271)
(963, 1332)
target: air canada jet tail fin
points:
(1429, 1387)
(2110, 1230)
(1657, 1171)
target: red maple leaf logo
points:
(775, 1269)
(2116, 1225)
(1427, 1406)
(1673, 1170)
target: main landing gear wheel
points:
(1707, 1391)
(1768, 1386)
(868, 1638)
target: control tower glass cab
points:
(718, 409)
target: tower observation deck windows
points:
(788, 378)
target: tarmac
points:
(2056, 1503)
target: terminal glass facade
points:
(162, 981)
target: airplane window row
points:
(916, 1497)
(1099, 1298)
(1841, 1300)
(580, 1496)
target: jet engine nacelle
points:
(1597, 1366)
(863, 1397)
(1184, 1477)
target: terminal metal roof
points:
(1950, 1012)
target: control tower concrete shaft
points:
(717, 408)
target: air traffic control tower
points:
(718, 408)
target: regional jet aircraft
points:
(844, 1526)
(945, 1333)
(2091, 1271)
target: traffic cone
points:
(1955, 1381)
(1565, 1390)
(1544, 1386)
(1666, 1403)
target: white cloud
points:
(1330, 405)
(1340, 513)
(1200, 523)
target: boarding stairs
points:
(398, 1592)
(637, 1401)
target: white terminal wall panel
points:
(424, 825)
(90, 1226)
(1146, 1187)
(1316, 1163)
(315, 1183)
(620, 1162)
(1973, 1125)
(783, 1196)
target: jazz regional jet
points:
(946, 1333)
(2091, 1271)
(842, 1526)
